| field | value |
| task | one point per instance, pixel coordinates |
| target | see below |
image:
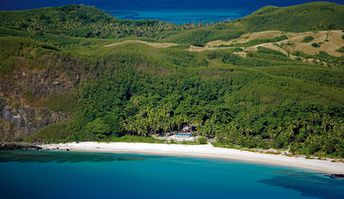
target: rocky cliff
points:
(28, 120)
(25, 92)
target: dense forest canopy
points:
(263, 100)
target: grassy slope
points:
(18, 52)
(203, 36)
(306, 17)
(247, 101)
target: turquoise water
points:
(176, 11)
(89, 175)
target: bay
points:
(48, 174)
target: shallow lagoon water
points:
(47, 174)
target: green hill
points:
(314, 16)
(306, 17)
(90, 22)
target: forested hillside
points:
(57, 84)
(83, 21)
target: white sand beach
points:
(206, 151)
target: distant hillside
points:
(305, 17)
(300, 18)
(90, 22)
(82, 21)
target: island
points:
(75, 77)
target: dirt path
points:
(327, 41)
(245, 38)
(155, 45)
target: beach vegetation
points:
(202, 140)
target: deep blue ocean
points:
(63, 175)
(176, 11)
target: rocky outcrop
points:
(28, 120)
(24, 91)
(37, 84)
(336, 176)
(13, 146)
(45, 83)
(48, 74)
(2, 104)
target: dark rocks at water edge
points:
(14, 146)
(336, 176)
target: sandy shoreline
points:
(205, 151)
